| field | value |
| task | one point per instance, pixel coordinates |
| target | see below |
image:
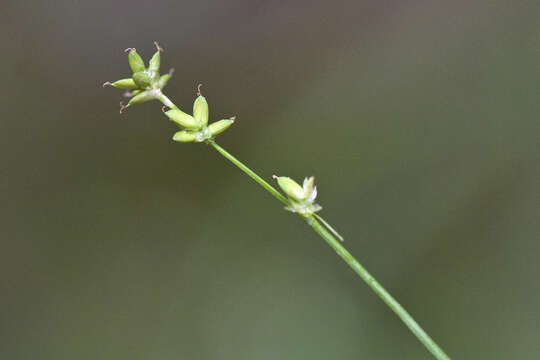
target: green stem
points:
(249, 172)
(349, 259)
(166, 101)
(379, 290)
(413, 326)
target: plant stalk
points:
(388, 299)
(392, 303)
(249, 172)
(413, 326)
(166, 101)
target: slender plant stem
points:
(166, 101)
(379, 290)
(249, 172)
(413, 326)
(349, 259)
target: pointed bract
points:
(311, 197)
(135, 61)
(141, 98)
(291, 188)
(220, 126)
(142, 79)
(183, 119)
(185, 136)
(153, 64)
(200, 110)
(163, 80)
(124, 84)
(308, 185)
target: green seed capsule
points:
(163, 80)
(185, 136)
(153, 65)
(220, 126)
(200, 110)
(125, 84)
(135, 61)
(141, 98)
(142, 79)
(291, 188)
(183, 119)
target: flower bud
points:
(142, 79)
(135, 61)
(291, 188)
(220, 126)
(200, 110)
(163, 80)
(185, 136)
(125, 84)
(141, 98)
(183, 119)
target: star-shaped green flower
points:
(196, 128)
(145, 84)
(302, 198)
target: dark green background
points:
(419, 119)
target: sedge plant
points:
(146, 84)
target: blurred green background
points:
(419, 119)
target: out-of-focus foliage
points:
(419, 120)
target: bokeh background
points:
(419, 119)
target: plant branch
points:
(413, 326)
(249, 172)
(166, 101)
(348, 258)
